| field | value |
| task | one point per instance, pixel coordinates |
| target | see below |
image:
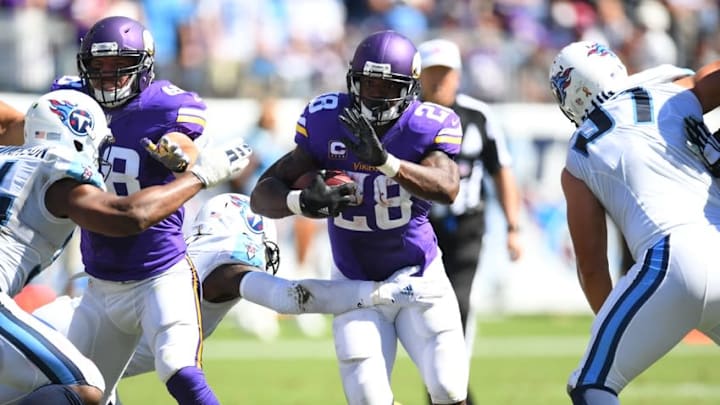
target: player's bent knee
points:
(168, 363)
(588, 395)
(446, 384)
(63, 395)
(448, 391)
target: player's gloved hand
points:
(708, 145)
(167, 152)
(403, 289)
(318, 200)
(365, 143)
(217, 164)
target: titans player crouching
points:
(231, 246)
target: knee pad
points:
(52, 394)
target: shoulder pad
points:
(66, 163)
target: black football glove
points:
(708, 144)
(366, 145)
(318, 200)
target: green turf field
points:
(517, 360)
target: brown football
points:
(332, 178)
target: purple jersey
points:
(389, 229)
(159, 109)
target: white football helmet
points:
(583, 74)
(71, 118)
(230, 212)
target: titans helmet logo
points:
(79, 121)
(600, 50)
(253, 221)
(560, 82)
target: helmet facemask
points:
(126, 80)
(130, 72)
(383, 78)
(388, 96)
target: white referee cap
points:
(440, 52)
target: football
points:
(332, 178)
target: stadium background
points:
(238, 54)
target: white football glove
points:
(402, 289)
(217, 164)
(167, 152)
(705, 144)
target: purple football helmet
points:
(393, 60)
(116, 36)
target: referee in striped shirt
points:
(460, 227)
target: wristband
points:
(293, 202)
(391, 166)
(513, 228)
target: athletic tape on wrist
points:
(391, 166)
(293, 202)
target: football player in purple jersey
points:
(399, 152)
(48, 186)
(142, 285)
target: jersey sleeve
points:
(449, 135)
(188, 115)
(319, 123)
(65, 163)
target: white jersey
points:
(225, 233)
(646, 177)
(209, 252)
(31, 236)
(659, 74)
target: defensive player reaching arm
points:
(47, 186)
(629, 159)
(11, 125)
(399, 153)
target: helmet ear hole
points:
(78, 145)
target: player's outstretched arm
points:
(11, 125)
(335, 296)
(705, 84)
(108, 214)
(112, 215)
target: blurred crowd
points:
(298, 48)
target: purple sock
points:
(189, 387)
